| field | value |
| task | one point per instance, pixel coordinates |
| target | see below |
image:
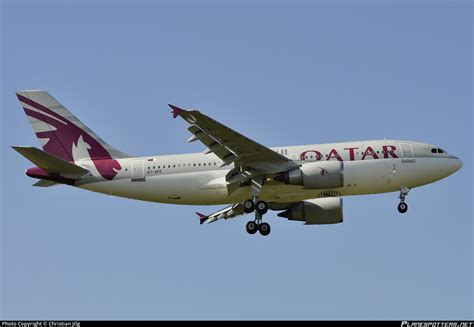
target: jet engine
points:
(315, 175)
(316, 211)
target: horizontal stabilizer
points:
(45, 183)
(49, 163)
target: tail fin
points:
(64, 136)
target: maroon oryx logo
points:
(65, 135)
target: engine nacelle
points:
(316, 211)
(315, 175)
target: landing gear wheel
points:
(264, 229)
(261, 207)
(402, 207)
(251, 227)
(248, 206)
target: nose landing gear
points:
(402, 206)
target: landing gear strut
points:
(402, 206)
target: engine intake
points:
(316, 211)
(315, 175)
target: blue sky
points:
(281, 73)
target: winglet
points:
(176, 111)
(202, 218)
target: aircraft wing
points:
(231, 146)
(226, 213)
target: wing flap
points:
(225, 213)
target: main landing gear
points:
(260, 208)
(402, 206)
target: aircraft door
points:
(407, 152)
(138, 170)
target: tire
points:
(261, 207)
(402, 207)
(251, 227)
(264, 229)
(248, 206)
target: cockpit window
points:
(437, 151)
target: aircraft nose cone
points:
(454, 165)
(458, 164)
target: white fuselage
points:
(369, 167)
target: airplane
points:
(304, 183)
